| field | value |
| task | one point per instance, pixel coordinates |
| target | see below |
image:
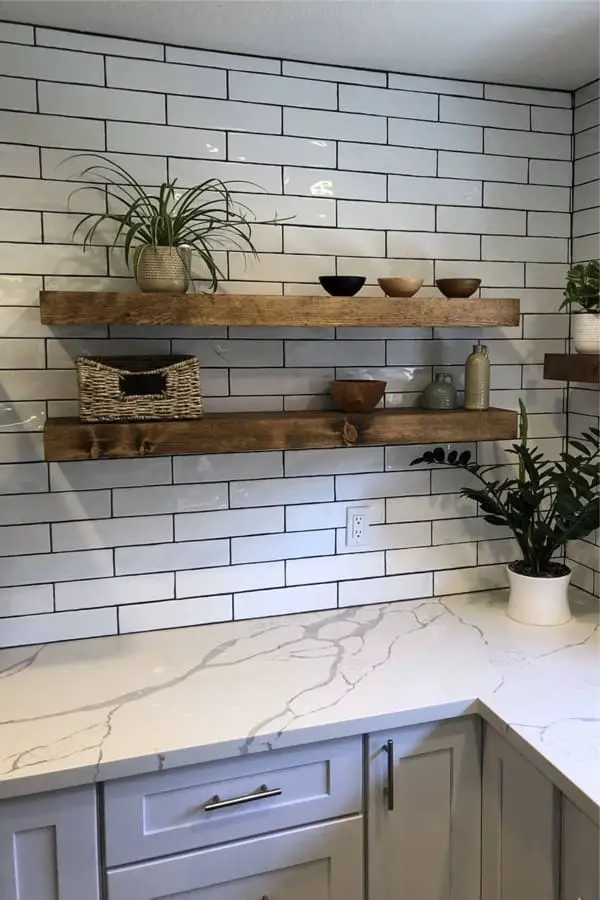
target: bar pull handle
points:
(389, 749)
(262, 794)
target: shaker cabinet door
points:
(424, 812)
(49, 846)
(520, 827)
(580, 855)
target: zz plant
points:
(583, 287)
(545, 504)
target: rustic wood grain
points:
(77, 308)
(67, 438)
(572, 367)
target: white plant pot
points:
(538, 601)
(586, 332)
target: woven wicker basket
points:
(133, 388)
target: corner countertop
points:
(100, 709)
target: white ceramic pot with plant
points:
(546, 504)
(159, 230)
(582, 298)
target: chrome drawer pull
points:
(262, 794)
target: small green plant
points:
(583, 287)
(546, 505)
(204, 218)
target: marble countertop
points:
(99, 709)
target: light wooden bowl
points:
(357, 395)
(400, 287)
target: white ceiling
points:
(544, 43)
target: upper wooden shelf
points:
(572, 367)
(81, 308)
(66, 439)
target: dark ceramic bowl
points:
(342, 285)
(458, 287)
(357, 396)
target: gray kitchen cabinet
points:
(424, 812)
(315, 862)
(520, 826)
(580, 870)
(49, 846)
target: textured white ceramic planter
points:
(538, 601)
(164, 270)
(586, 332)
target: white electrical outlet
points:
(357, 525)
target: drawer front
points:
(317, 862)
(184, 809)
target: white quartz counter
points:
(100, 709)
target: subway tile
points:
(225, 580)
(389, 484)
(223, 114)
(161, 140)
(56, 65)
(334, 73)
(406, 189)
(398, 216)
(258, 604)
(334, 568)
(16, 540)
(433, 246)
(550, 171)
(149, 501)
(284, 381)
(68, 506)
(19, 225)
(300, 210)
(279, 150)
(582, 577)
(586, 196)
(549, 224)
(24, 417)
(586, 169)
(21, 447)
(22, 354)
(56, 259)
(424, 559)
(229, 523)
(174, 614)
(62, 165)
(279, 491)
(532, 300)
(585, 221)
(555, 121)
(388, 537)
(549, 275)
(292, 545)
(585, 553)
(34, 194)
(529, 144)
(230, 467)
(491, 273)
(384, 102)
(94, 43)
(335, 125)
(98, 533)
(455, 531)
(17, 93)
(540, 97)
(428, 508)
(517, 196)
(483, 112)
(23, 478)
(436, 135)
(333, 462)
(385, 590)
(586, 142)
(435, 85)
(62, 353)
(345, 185)
(258, 178)
(26, 601)
(16, 159)
(314, 516)
(281, 90)
(51, 627)
(482, 166)
(15, 33)
(460, 581)
(114, 591)
(586, 116)
(229, 354)
(222, 60)
(100, 103)
(586, 248)
(529, 249)
(517, 352)
(333, 241)
(45, 567)
(588, 92)
(335, 353)
(166, 78)
(375, 158)
(278, 267)
(169, 557)
(36, 384)
(503, 551)
(109, 473)
(52, 131)
(400, 457)
(480, 221)
(550, 399)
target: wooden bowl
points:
(342, 285)
(400, 287)
(357, 395)
(458, 287)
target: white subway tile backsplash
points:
(23, 478)
(335, 353)
(503, 551)
(220, 467)
(483, 112)
(447, 191)
(538, 96)
(56, 65)
(21, 447)
(517, 196)
(207, 582)
(530, 144)
(17, 93)
(334, 568)
(530, 249)
(385, 102)
(586, 196)
(388, 537)
(223, 114)
(63, 507)
(399, 216)
(375, 158)
(169, 499)
(98, 533)
(293, 545)
(94, 43)
(556, 121)
(433, 246)
(549, 224)
(169, 557)
(345, 185)
(482, 166)
(165, 78)
(276, 150)
(17, 34)
(389, 484)
(16, 540)
(586, 116)
(586, 142)
(428, 508)
(277, 491)
(585, 221)
(100, 103)
(586, 169)
(52, 131)
(481, 221)
(174, 614)
(334, 73)
(333, 462)
(314, 516)
(116, 591)
(436, 135)
(26, 601)
(229, 523)
(281, 90)
(256, 604)
(16, 159)
(23, 417)
(109, 473)
(259, 382)
(550, 171)
(385, 590)
(460, 581)
(333, 241)
(256, 178)
(45, 567)
(425, 559)
(217, 354)
(18, 225)
(340, 126)
(278, 267)
(586, 248)
(435, 85)
(56, 259)
(588, 92)
(64, 626)
(491, 273)
(222, 60)
(455, 531)
(548, 275)
(22, 354)
(161, 140)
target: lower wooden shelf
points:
(69, 439)
(572, 367)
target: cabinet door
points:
(580, 853)
(317, 862)
(521, 826)
(424, 836)
(49, 847)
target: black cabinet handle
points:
(263, 793)
(389, 749)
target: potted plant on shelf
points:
(583, 290)
(545, 505)
(159, 230)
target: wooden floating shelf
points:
(572, 367)
(80, 308)
(69, 439)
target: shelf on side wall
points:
(572, 367)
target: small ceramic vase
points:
(477, 379)
(440, 394)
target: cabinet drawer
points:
(317, 862)
(169, 812)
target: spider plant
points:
(203, 218)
